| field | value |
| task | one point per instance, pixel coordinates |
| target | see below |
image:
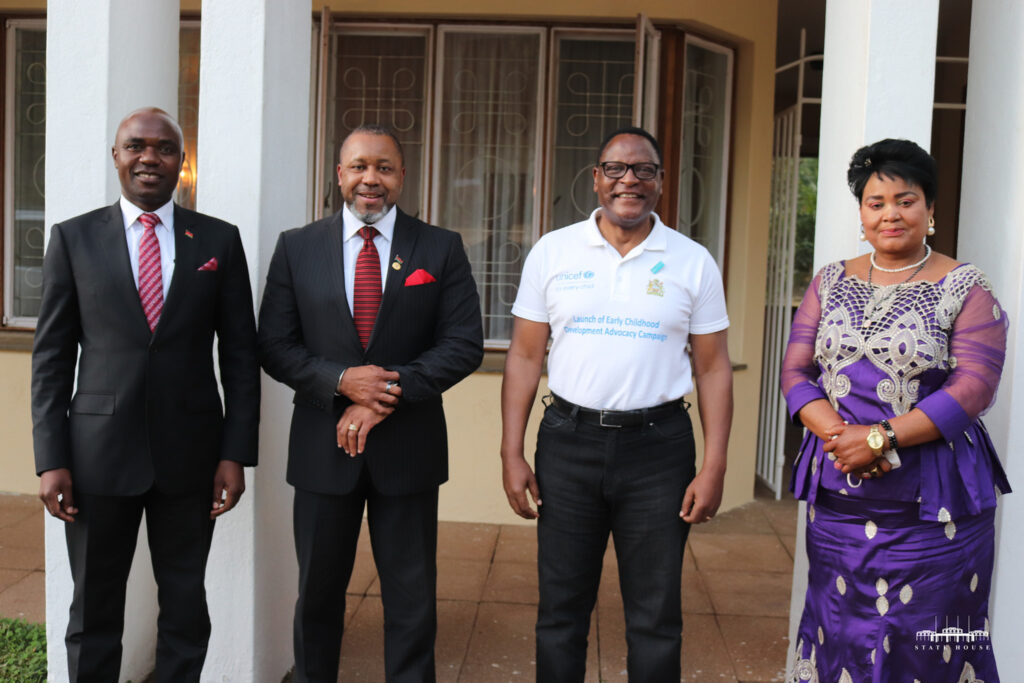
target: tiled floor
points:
(22, 558)
(736, 589)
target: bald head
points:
(153, 111)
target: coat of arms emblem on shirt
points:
(656, 287)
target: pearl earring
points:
(931, 225)
(863, 237)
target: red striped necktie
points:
(151, 283)
(367, 290)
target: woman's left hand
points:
(849, 445)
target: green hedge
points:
(22, 651)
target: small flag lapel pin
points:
(188, 234)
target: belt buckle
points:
(602, 422)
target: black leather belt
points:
(616, 418)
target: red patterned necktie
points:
(151, 283)
(367, 290)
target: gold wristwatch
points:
(876, 442)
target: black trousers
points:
(101, 544)
(628, 482)
(403, 536)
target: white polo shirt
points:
(620, 324)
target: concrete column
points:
(878, 82)
(104, 58)
(254, 115)
(990, 236)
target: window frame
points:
(337, 29)
(646, 73)
(730, 53)
(9, 322)
(663, 117)
(540, 152)
(557, 34)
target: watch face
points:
(875, 440)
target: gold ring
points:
(353, 428)
(875, 471)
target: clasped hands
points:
(849, 444)
(374, 393)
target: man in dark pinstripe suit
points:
(368, 427)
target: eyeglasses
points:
(617, 169)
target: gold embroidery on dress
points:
(838, 342)
(804, 670)
(954, 290)
(900, 341)
(968, 675)
(903, 351)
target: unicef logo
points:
(588, 275)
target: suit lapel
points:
(402, 246)
(333, 251)
(119, 265)
(185, 250)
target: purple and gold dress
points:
(900, 566)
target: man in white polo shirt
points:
(620, 295)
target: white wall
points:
(254, 93)
(992, 204)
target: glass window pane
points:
(487, 154)
(188, 112)
(593, 97)
(377, 79)
(702, 168)
(28, 172)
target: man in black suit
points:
(368, 369)
(133, 294)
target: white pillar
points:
(254, 92)
(991, 237)
(878, 82)
(103, 59)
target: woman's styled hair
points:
(892, 159)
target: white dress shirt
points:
(352, 244)
(164, 235)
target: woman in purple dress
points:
(892, 359)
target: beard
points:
(369, 217)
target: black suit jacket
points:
(146, 409)
(431, 334)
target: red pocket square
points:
(419, 277)
(209, 265)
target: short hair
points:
(159, 112)
(893, 159)
(629, 130)
(376, 129)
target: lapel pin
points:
(657, 266)
(397, 263)
(188, 234)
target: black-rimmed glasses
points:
(617, 169)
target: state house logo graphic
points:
(953, 635)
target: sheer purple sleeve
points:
(977, 348)
(799, 377)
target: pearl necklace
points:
(876, 305)
(927, 253)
